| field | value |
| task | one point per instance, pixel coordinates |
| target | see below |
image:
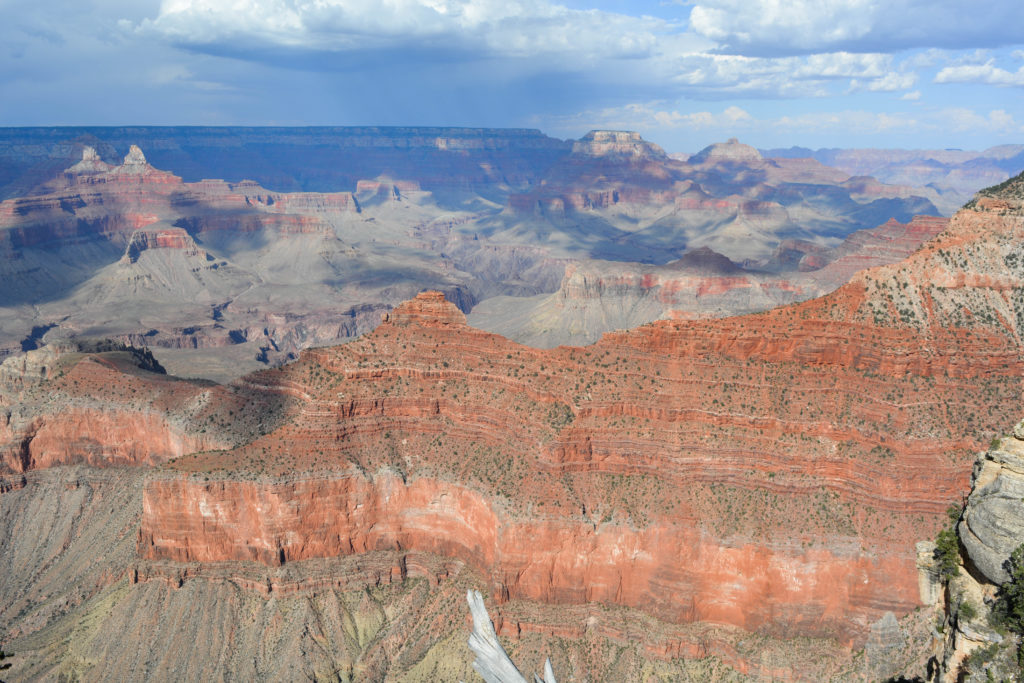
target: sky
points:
(774, 73)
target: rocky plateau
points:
(704, 499)
(223, 277)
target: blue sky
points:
(818, 73)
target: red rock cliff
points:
(770, 472)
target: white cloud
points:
(808, 76)
(735, 115)
(925, 58)
(848, 121)
(981, 73)
(803, 26)
(652, 116)
(961, 119)
(497, 27)
(522, 36)
(999, 118)
(912, 96)
(890, 82)
(659, 119)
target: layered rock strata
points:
(247, 276)
(692, 480)
(600, 296)
(111, 408)
(130, 251)
(792, 457)
(726, 197)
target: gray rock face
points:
(993, 523)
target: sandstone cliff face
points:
(379, 615)
(72, 586)
(102, 409)
(657, 406)
(616, 143)
(791, 457)
(709, 483)
(567, 561)
(766, 474)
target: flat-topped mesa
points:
(153, 237)
(386, 188)
(429, 309)
(599, 143)
(732, 150)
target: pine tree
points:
(1008, 609)
(947, 554)
(1013, 592)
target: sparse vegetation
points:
(1008, 609)
(947, 547)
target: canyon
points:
(954, 173)
(599, 296)
(223, 277)
(704, 498)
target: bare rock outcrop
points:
(600, 296)
(730, 151)
(90, 163)
(622, 143)
(963, 590)
(993, 522)
(135, 157)
(791, 457)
